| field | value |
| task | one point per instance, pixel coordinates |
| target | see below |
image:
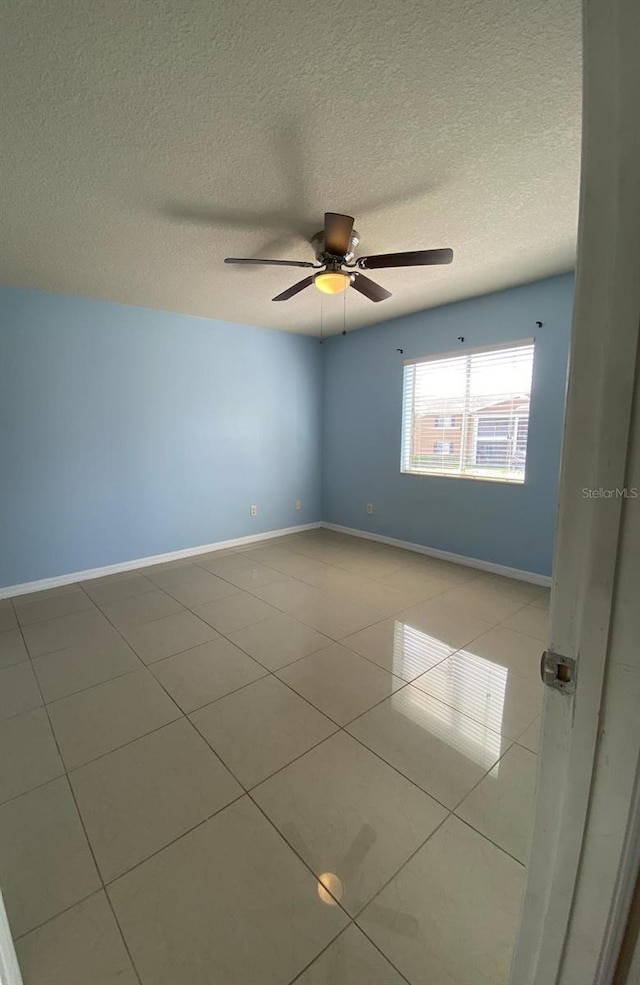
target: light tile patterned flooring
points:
(309, 760)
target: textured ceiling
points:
(145, 140)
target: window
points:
(482, 399)
(443, 447)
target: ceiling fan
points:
(334, 247)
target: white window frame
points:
(405, 439)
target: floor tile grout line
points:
(74, 769)
(338, 728)
(399, 771)
(399, 611)
(171, 698)
(272, 673)
(404, 864)
(100, 877)
(466, 715)
(339, 641)
(89, 687)
(449, 815)
(82, 824)
(249, 791)
(38, 786)
(16, 664)
(183, 834)
(484, 776)
(186, 608)
(67, 909)
(254, 786)
(67, 775)
(247, 549)
(86, 835)
(277, 611)
(299, 856)
(405, 684)
(61, 615)
(182, 714)
(490, 840)
(401, 867)
(455, 809)
(68, 770)
(462, 649)
(122, 935)
(299, 974)
(351, 923)
(326, 715)
(380, 951)
(327, 592)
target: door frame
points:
(9, 969)
(585, 847)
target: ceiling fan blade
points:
(275, 263)
(415, 258)
(369, 288)
(290, 291)
(337, 233)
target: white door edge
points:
(585, 831)
(9, 969)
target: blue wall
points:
(506, 524)
(127, 432)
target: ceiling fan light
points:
(332, 281)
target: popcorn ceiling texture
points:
(144, 141)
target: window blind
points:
(467, 414)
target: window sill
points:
(502, 480)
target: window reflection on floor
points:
(414, 651)
(467, 715)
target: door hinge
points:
(558, 672)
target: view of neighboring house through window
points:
(443, 447)
(467, 414)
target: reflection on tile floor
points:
(308, 760)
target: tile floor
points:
(308, 760)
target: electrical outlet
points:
(298, 504)
(370, 508)
(253, 510)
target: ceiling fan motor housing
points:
(317, 242)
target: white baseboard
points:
(113, 569)
(470, 562)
